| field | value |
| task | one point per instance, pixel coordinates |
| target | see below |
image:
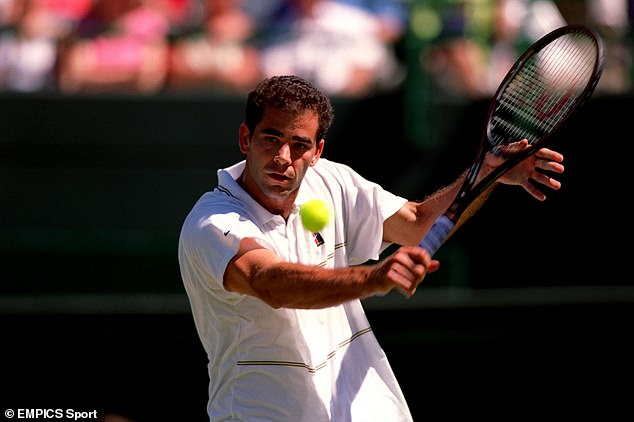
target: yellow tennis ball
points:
(314, 214)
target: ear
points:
(244, 137)
(320, 149)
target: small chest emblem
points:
(319, 240)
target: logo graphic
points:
(318, 239)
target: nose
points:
(283, 155)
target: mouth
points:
(277, 173)
(278, 176)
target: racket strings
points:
(544, 90)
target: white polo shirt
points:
(269, 364)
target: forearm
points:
(258, 272)
(474, 206)
(410, 224)
(291, 285)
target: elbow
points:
(270, 300)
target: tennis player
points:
(277, 308)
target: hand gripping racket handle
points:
(437, 234)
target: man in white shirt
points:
(277, 307)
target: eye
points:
(302, 146)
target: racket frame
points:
(469, 191)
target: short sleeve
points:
(209, 239)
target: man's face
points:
(278, 153)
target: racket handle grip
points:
(437, 234)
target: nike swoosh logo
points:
(227, 232)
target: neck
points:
(279, 205)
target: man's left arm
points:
(409, 225)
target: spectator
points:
(461, 66)
(335, 45)
(518, 24)
(391, 14)
(218, 55)
(122, 46)
(31, 33)
(611, 19)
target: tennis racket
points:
(544, 87)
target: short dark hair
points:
(291, 94)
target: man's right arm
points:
(259, 272)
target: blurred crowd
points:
(148, 46)
(470, 45)
(347, 47)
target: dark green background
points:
(531, 308)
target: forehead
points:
(305, 121)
